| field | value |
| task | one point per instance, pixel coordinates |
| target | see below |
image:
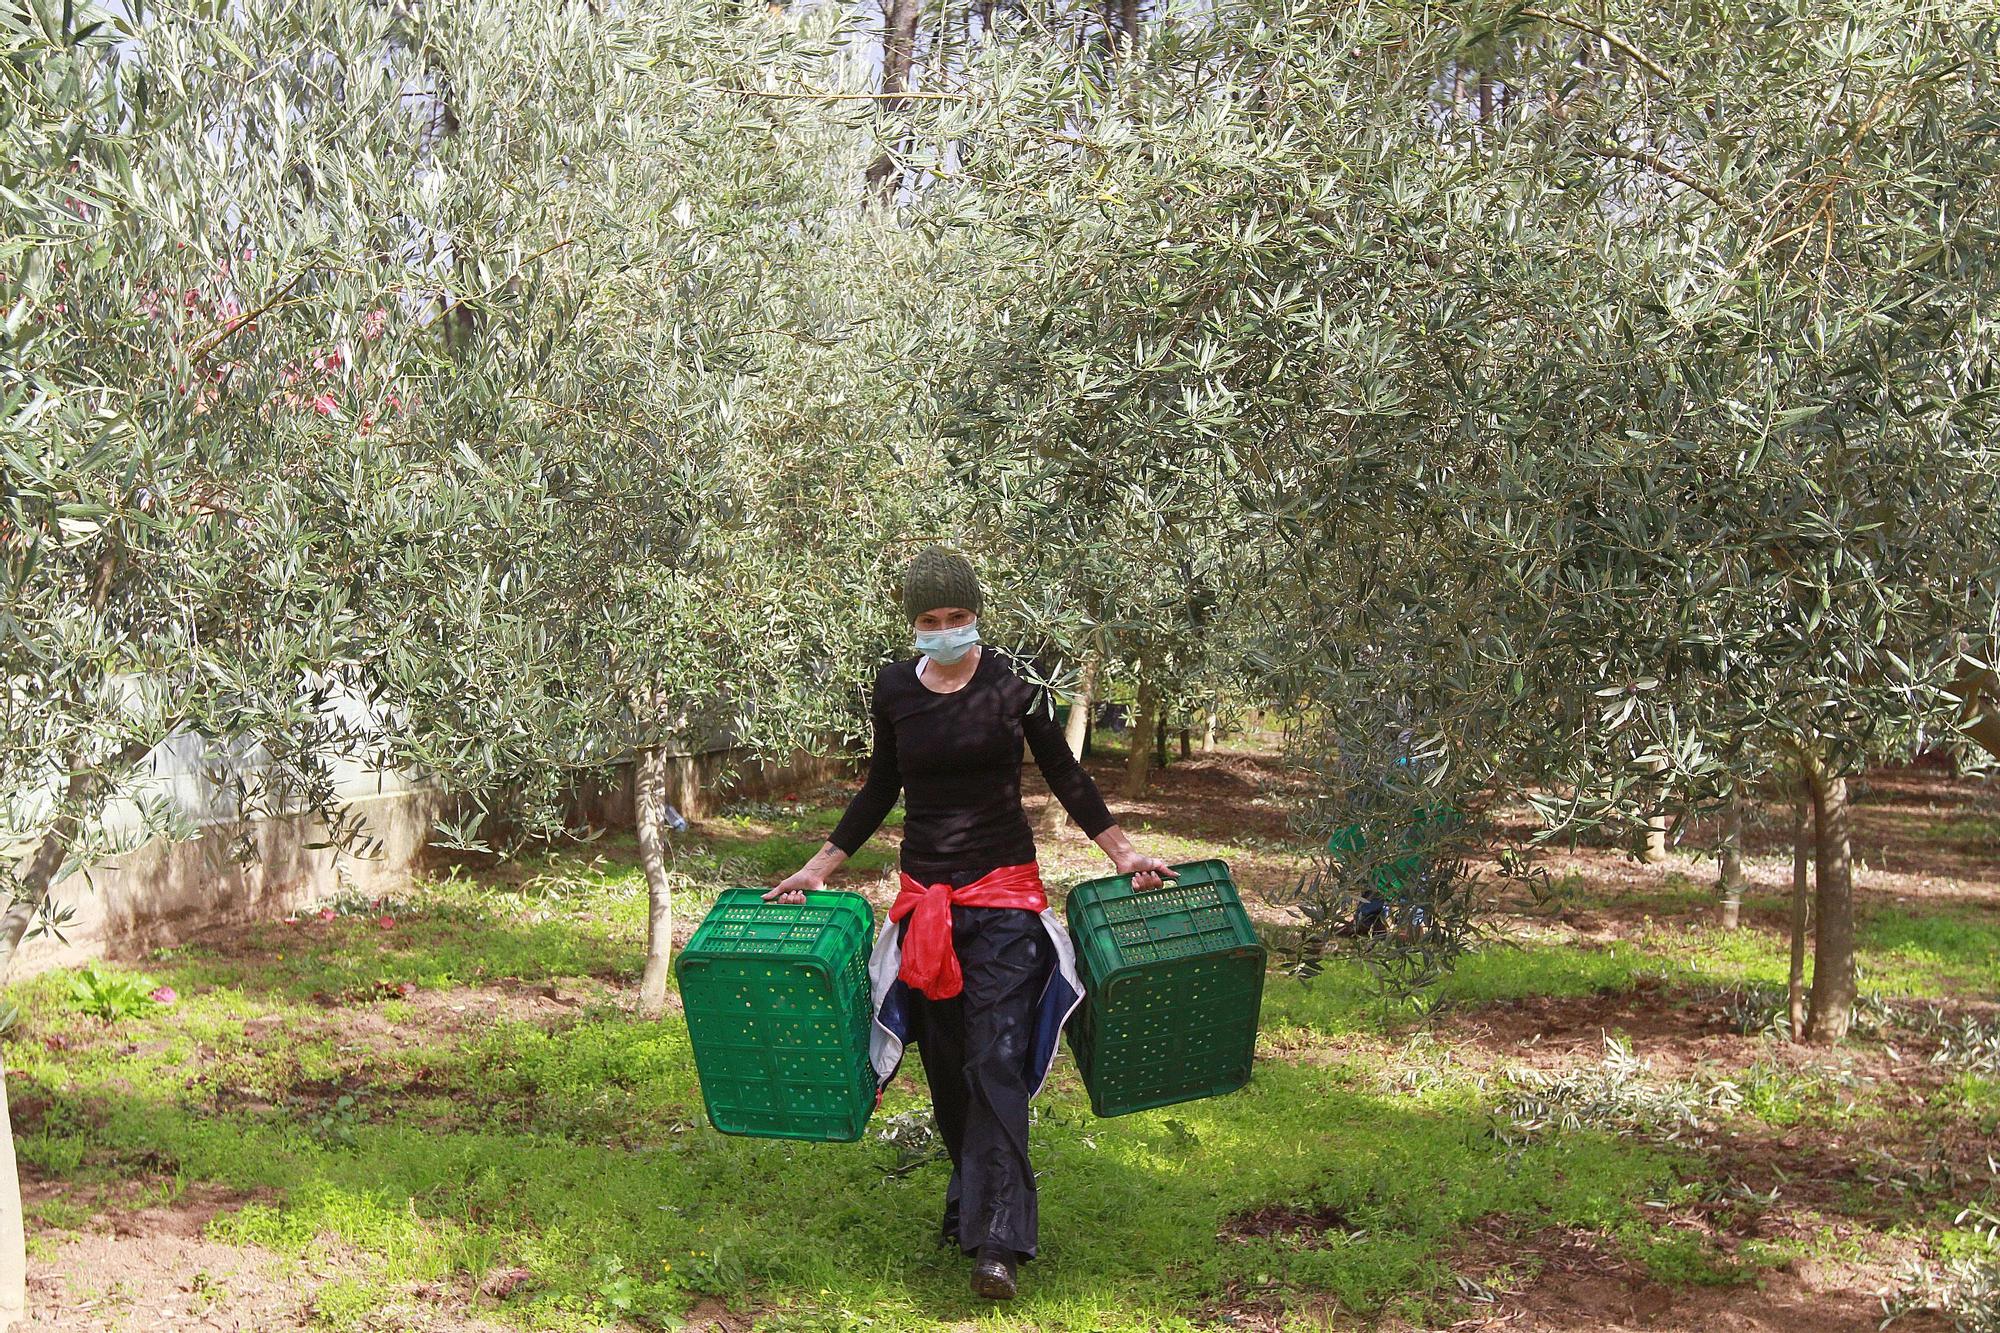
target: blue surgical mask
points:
(945, 646)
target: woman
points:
(971, 965)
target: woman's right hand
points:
(809, 877)
(794, 887)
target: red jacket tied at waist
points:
(930, 963)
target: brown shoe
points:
(993, 1273)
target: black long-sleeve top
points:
(956, 759)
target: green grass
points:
(1902, 952)
(1973, 834)
(1928, 952)
(537, 1179)
(1977, 1097)
(345, 1305)
(1343, 999)
(1898, 954)
(574, 1146)
(582, 1156)
(1923, 953)
(757, 857)
(578, 1150)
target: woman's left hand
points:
(1147, 872)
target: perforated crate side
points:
(828, 926)
(1120, 927)
(1174, 982)
(780, 1050)
(777, 1012)
(1172, 1032)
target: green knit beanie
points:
(936, 578)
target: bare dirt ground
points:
(1575, 1283)
(152, 1268)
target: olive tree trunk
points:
(13, 1236)
(1208, 734)
(1653, 837)
(1653, 845)
(1801, 902)
(34, 876)
(899, 58)
(1729, 879)
(650, 815)
(85, 789)
(1980, 717)
(1075, 732)
(1145, 722)
(32, 882)
(1833, 983)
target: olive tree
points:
(707, 456)
(400, 353)
(1613, 439)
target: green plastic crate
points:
(1173, 978)
(778, 1011)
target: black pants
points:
(975, 1050)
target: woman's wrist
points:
(1115, 843)
(826, 860)
(811, 875)
(1147, 872)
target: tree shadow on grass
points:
(766, 858)
(467, 935)
(356, 959)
